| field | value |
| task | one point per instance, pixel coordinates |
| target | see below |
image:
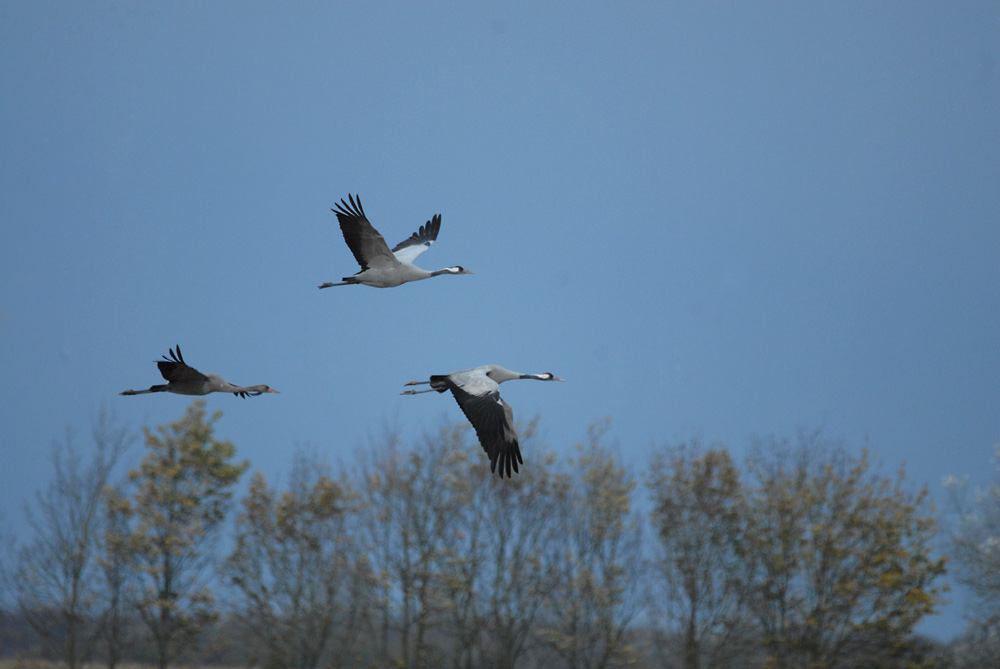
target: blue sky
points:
(713, 220)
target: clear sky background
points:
(713, 220)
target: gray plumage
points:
(381, 267)
(185, 380)
(477, 392)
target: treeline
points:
(416, 556)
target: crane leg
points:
(417, 392)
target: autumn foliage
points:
(796, 555)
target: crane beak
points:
(556, 378)
(271, 390)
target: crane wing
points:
(367, 245)
(493, 420)
(175, 370)
(421, 240)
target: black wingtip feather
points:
(352, 210)
(356, 201)
(508, 461)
